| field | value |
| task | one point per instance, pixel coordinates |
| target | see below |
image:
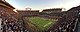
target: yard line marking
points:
(47, 24)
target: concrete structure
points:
(26, 13)
(54, 10)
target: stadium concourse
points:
(55, 20)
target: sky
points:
(43, 4)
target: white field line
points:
(47, 24)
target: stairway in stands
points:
(78, 27)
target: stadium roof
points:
(6, 3)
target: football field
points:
(41, 23)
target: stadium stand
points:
(68, 21)
(9, 18)
(14, 22)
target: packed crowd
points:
(9, 23)
(66, 26)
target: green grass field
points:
(41, 23)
